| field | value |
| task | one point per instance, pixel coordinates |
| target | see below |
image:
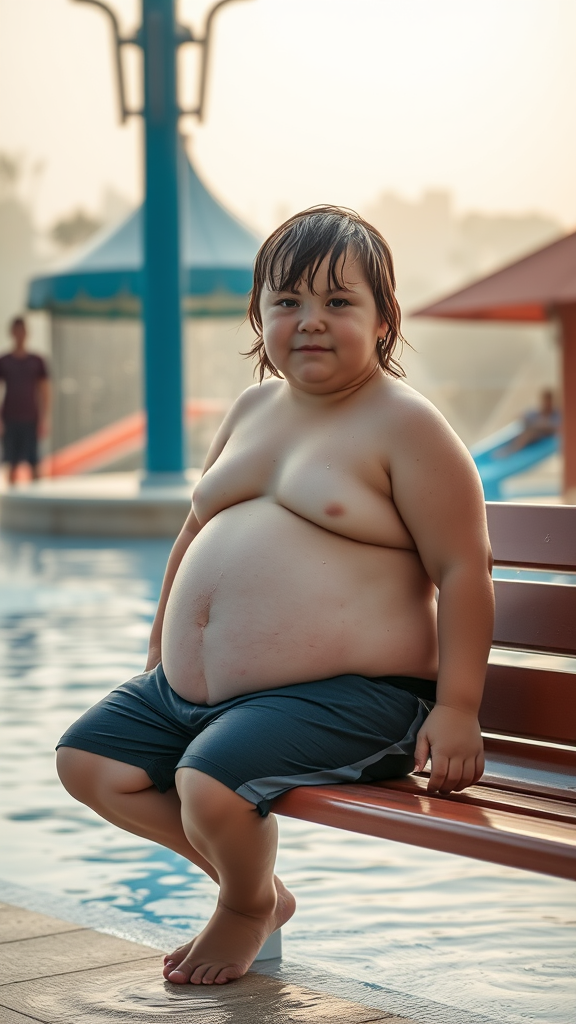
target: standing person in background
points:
(25, 408)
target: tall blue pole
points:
(163, 378)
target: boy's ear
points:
(383, 329)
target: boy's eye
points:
(288, 303)
(338, 303)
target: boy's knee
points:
(94, 779)
(73, 767)
(207, 801)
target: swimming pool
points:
(74, 621)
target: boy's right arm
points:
(183, 541)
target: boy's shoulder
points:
(411, 425)
(257, 392)
(257, 395)
(417, 435)
(252, 398)
(403, 405)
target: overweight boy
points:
(326, 612)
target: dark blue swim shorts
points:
(345, 729)
(20, 443)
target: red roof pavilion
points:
(538, 287)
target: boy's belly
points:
(264, 598)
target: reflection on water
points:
(74, 621)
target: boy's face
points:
(325, 341)
(18, 332)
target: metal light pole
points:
(159, 37)
(161, 286)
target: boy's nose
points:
(311, 323)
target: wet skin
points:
(212, 956)
(298, 488)
(333, 502)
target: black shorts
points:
(20, 443)
(345, 729)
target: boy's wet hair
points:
(294, 252)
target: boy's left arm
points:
(44, 400)
(439, 495)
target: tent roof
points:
(105, 279)
(528, 290)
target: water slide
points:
(495, 468)
(106, 446)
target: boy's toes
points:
(173, 960)
(199, 973)
(227, 974)
(218, 974)
(215, 973)
(211, 974)
(178, 975)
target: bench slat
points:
(511, 839)
(533, 536)
(535, 616)
(513, 703)
(495, 799)
(541, 756)
(532, 788)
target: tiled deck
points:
(97, 505)
(62, 973)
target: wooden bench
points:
(523, 811)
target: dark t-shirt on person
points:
(21, 376)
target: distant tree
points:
(10, 173)
(74, 229)
(17, 240)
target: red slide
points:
(111, 443)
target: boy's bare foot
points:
(172, 960)
(229, 943)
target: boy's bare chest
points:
(330, 474)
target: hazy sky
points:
(313, 101)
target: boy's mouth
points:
(311, 348)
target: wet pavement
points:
(61, 973)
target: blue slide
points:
(494, 469)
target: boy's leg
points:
(139, 721)
(229, 833)
(125, 795)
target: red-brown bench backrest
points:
(533, 693)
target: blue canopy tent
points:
(95, 299)
(105, 280)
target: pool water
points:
(74, 622)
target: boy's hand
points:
(452, 739)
